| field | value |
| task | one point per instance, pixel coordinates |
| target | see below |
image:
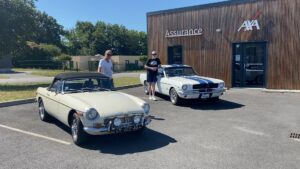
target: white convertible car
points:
(181, 82)
(85, 102)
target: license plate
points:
(204, 96)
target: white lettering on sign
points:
(249, 24)
(184, 32)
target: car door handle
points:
(48, 94)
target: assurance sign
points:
(183, 32)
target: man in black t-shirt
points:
(151, 66)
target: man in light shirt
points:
(106, 67)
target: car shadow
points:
(128, 143)
(156, 118)
(59, 124)
(205, 105)
(125, 143)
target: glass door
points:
(249, 64)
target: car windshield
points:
(180, 71)
(87, 85)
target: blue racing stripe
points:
(198, 79)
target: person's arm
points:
(147, 67)
(99, 66)
(159, 63)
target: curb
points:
(128, 87)
(280, 91)
(32, 100)
(17, 102)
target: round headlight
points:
(184, 87)
(91, 114)
(221, 85)
(146, 108)
(136, 119)
(117, 122)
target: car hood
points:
(110, 103)
(192, 80)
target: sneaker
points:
(153, 98)
(150, 97)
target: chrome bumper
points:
(194, 94)
(110, 129)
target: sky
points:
(130, 13)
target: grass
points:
(125, 81)
(135, 71)
(48, 73)
(43, 72)
(9, 92)
(54, 72)
(3, 77)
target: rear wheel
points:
(78, 134)
(146, 85)
(44, 116)
(174, 97)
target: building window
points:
(136, 62)
(127, 62)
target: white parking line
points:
(35, 135)
(250, 131)
(297, 140)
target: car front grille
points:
(125, 120)
(205, 86)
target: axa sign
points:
(249, 25)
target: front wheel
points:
(44, 116)
(78, 134)
(174, 97)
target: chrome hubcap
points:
(173, 95)
(74, 129)
(42, 110)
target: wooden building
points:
(247, 43)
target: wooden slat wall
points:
(211, 53)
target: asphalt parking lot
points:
(247, 129)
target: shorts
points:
(151, 79)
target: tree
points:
(64, 59)
(89, 39)
(47, 30)
(17, 19)
(21, 22)
(143, 59)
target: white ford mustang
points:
(181, 82)
(85, 102)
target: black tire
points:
(146, 88)
(174, 98)
(78, 134)
(44, 116)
